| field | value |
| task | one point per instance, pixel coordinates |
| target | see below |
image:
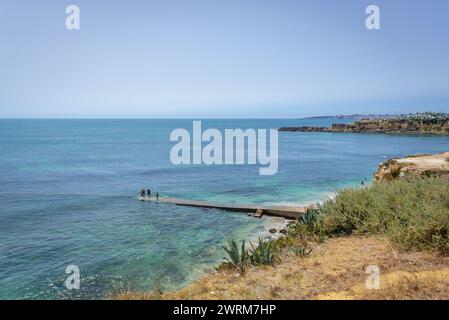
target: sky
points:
(222, 58)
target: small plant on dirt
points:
(302, 250)
(263, 254)
(238, 259)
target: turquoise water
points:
(67, 194)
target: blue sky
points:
(222, 58)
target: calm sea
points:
(68, 187)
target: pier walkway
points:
(288, 212)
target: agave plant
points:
(309, 217)
(238, 259)
(263, 254)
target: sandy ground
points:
(427, 162)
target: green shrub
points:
(308, 226)
(414, 213)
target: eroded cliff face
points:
(424, 165)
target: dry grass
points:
(400, 285)
(334, 270)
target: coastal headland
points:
(419, 123)
(422, 165)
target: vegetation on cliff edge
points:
(412, 213)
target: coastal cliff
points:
(420, 123)
(418, 165)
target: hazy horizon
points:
(222, 60)
(212, 118)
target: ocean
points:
(68, 196)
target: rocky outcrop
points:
(417, 165)
(422, 123)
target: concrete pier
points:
(288, 212)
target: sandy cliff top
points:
(437, 164)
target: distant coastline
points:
(352, 116)
(418, 123)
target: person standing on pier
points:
(157, 195)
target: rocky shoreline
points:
(275, 228)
